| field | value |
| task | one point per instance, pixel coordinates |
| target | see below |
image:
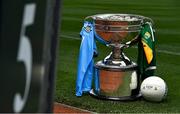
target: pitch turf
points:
(165, 14)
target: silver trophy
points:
(117, 74)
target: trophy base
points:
(124, 98)
(116, 82)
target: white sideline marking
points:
(160, 51)
(168, 52)
(70, 37)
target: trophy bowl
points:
(118, 28)
(117, 74)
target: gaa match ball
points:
(154, 89)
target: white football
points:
(154, 89)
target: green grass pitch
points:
(166, 16)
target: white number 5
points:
(25, 56)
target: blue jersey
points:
(86, 62)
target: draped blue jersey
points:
(86, 62)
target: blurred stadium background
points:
(166, 16)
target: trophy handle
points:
(132, 42)
(89, 19)
(147, 19)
